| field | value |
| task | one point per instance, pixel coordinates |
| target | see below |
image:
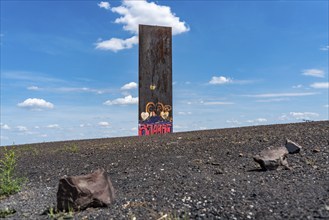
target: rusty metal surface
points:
(155, 80)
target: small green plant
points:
(57, 215)
(51, 213)
(73, 148)
(8, 183)
(6, 212)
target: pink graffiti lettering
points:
(150, 129)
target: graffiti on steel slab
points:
(156, 119)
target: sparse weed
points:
(57, 215)
(31, 150)
(73, 148)
(6, 212)
(8, 183)
(310, 161)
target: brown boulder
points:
(273, 158)
(80, 192)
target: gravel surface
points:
(193, 175)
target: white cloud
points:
(261, 120)
(218, 103)
(303, 115)
(78, 89)
(5, 126)
(283, 117)
(326, 106)
(273, 95)
(273, 100)
(325, 48)
(131, 85)
(220, 80)
(30, 77)
(258, 120)
(235, 122)
(53, 126)
(69, 89)
(33, 88)
(297, 86)
(142, 12)
(116, 44)
(104, 124)
(184, 113)
(104, 5)
(21, 128)
(35, 104)
(128, 100)
(134, 13)
(313, 72)
(320, 85)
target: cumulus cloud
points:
(303, 115)
(128, 100)
(133, 13)
(219, 80)
(35, 104)
(131, 85)
(313, 72)
(5, 127)
(104, 124)
(53, 126)
(320, 85)
(104, 5)
(116, 44)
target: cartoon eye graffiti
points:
(165, 113)
(160, 107)
(167, 108)
(150, 108)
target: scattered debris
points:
(292, 147)
(215, 163)
(316, 150)
(272, 158)
(80, 192)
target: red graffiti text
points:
(150, 129)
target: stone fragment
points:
(272, 158)
(292, 147)
(80, 192)
(316, 150)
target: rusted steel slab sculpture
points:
(155, 80)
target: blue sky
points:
(69, 69)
